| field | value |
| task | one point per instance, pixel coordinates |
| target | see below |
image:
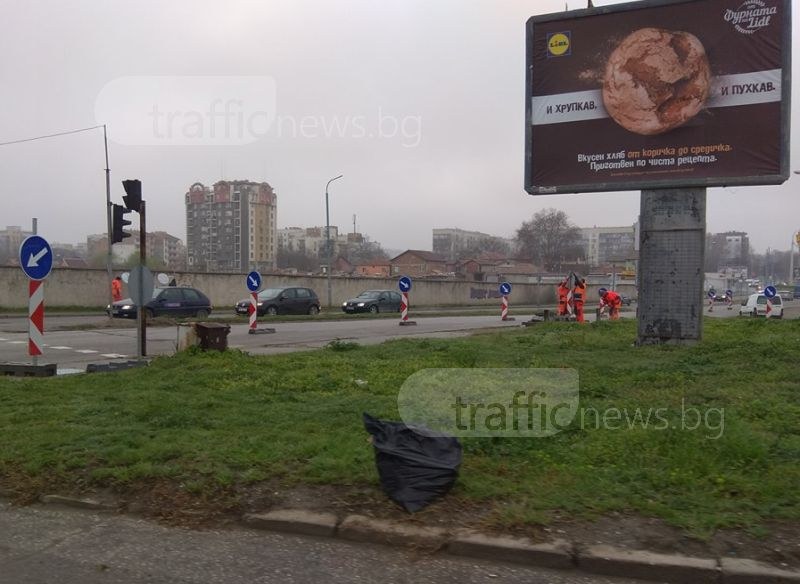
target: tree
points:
(487, 245)
(298, 260)
(550, 239)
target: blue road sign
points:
(712, 293)
(770, 291)
(729, 293)
(404, 284)
(36, 257)
(505, 288)
(253, 281)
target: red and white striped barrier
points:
(404, 307)
(504, 309)
(35, 317)
(252, 310)
(769, 308)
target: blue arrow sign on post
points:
(404, 284)
(770, 291)
(505, 288)
(253, 281)
(36, 257)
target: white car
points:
(756, 305)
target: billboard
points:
(658, 94)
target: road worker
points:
(116, 289)
(612, 300)
(563, 296)
(579, 297)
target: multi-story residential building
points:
(167, 249)
(731, 248)
(605, 245)
(231, 226)
(311, 240)
(451, 242)
(10, 239)
(164, 248)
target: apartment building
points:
(231, 226)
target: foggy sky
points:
(447, 75)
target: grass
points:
(211, 421)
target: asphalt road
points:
(73, 349)
(45, 545)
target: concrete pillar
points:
(671, 265)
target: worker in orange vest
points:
(563, 296)
(116, 289)
(579, 297)
(612, 300)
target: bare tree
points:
(550, 239)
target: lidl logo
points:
(558, 44)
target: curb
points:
(610, 561)
(77, 503)
(557, 554)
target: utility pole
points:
(108, 218)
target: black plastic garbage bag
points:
(414, 468)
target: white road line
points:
(3, 339)
(86, 351)
(113, 355)
(17, 342)
(61, 348)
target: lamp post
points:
(328, 237)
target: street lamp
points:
(328, 237)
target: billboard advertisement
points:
(658, 94)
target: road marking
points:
(3, 339)
(113, 355)
(17, 342)
(86, 351)
(62, 348)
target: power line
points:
(49, 136)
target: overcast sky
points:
(418, 103)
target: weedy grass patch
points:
(222, 420)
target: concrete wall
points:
(86, 287)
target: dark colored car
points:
(293, 300)
(167, 301)
(373, 301)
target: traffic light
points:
(133, 198)
(119, 221)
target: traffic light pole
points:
(141, 314)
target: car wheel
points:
(272, 310)
(148, 312)
(313, 309)
(202, 313)
(374, 309)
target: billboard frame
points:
(645, 184)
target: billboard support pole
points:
(671, 266)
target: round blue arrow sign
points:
(36, 257)
(712, 293)
(729, 293)
(253, 281)
(404, 284)
(505, 288)
(770, 291)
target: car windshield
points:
(156, 292)
(369, 294)
(269, 293)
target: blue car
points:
(167, 301)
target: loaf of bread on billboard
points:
(656, 80)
